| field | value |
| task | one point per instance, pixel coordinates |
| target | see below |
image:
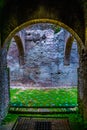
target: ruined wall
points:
(15, 13)
(44, 59)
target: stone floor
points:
(73, 125)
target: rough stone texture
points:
(68, 48)
(4, 96)
(85, 64)
(4, 83)
(85, 86)
(82, 84)
(16, 13)
(44, 59)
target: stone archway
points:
(30, 22)
(80, 44)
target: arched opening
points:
(15, 13)
(80, 45)
(56, 22)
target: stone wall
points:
(44, 58)
(4, 84)
(14, 13)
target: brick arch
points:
(20, 49)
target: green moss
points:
(56, 28)
(76, 121)
(46, 97)
(9, 118)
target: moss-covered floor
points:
(76, 121)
